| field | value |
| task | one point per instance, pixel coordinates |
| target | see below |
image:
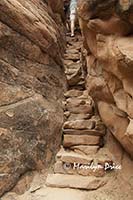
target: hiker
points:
(73, 13)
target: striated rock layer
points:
(31, 87)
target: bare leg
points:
(72, 27)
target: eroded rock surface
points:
(31, 87)
(107, 28)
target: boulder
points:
(117, 125)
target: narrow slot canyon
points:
(66, 100)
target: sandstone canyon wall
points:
(107, 28)
(31, 87)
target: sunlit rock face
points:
(107, 28)
(31, 87)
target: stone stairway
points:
(82, 162)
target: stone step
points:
(75, 125)
(72, 51)
(73, 93)
(82, 94)
(70, 72)
(74, 57)
(76, 46)
(72, 140)
(72, 157)
(79, 105)
(75, 181)
(68, 63)
(69, 156)
(79, 124)
(80, 109)
(73, 66)
(83, 132)
(79, 116)
(84, 170)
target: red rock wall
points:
(107, 28)
(31, 88)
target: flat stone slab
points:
(75, 181)
(72, 140)
(83, 132)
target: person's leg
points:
(72, 27)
